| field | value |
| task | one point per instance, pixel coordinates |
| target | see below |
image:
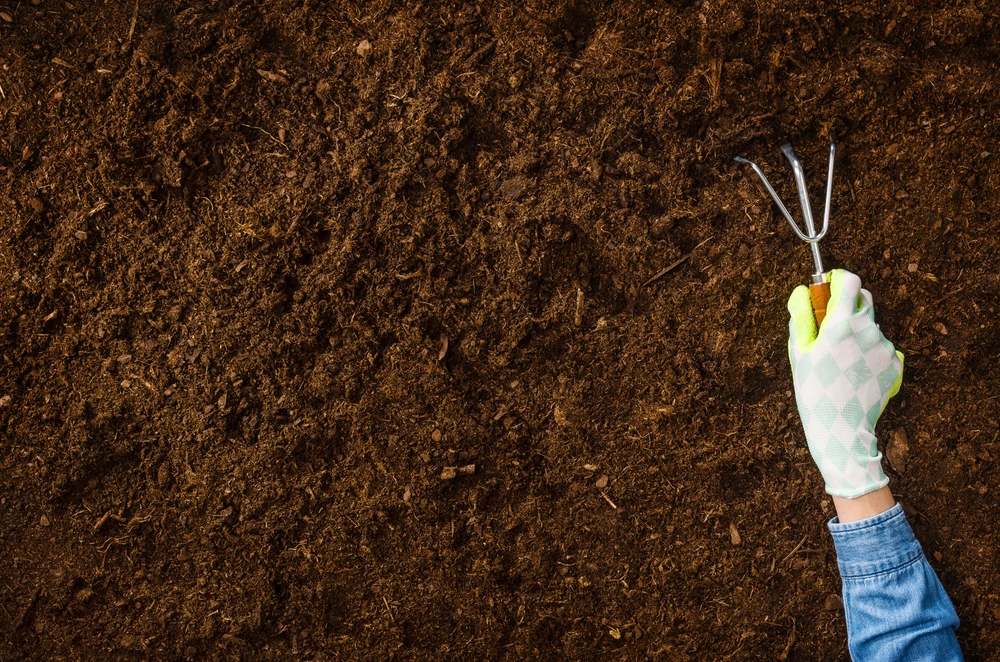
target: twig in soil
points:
(608, 499)
(105, 517)
(788, 646)
(955, 291)
(388, 609)
(131, 27)
(797, 547)
(664, 272)
(266, 134)
(480, 54)
(98, 207)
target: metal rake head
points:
(810, 236)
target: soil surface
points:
(326, 330)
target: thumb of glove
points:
(803, 322)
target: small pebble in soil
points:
(601, 483)
(898, 449)
(364, 48)
(734, 534)
(163, 477)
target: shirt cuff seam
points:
(845, 573)
(846, 528)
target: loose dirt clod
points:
(898, 449)
(272, 76)
(323, 90)
(449, 473)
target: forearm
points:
(895, 606)
(864, 506)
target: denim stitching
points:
(864, 576)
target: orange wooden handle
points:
(820, 294)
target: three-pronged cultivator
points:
(819, 287)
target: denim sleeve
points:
(895, 605)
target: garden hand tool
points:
(819, 287)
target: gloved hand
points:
(844, 377)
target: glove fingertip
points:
(845, 289)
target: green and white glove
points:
(844, 377)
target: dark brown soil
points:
(272, 275)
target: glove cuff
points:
(856, 474)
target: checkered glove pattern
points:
(844, 375)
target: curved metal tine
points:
(800, 184)
(829, 190)
(774, 196)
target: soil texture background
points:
(326, 332)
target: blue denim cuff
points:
(875, 545)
